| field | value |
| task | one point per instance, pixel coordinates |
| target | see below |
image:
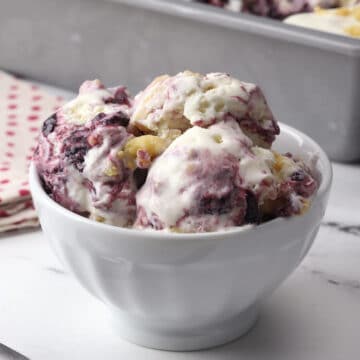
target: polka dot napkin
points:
(23, 108)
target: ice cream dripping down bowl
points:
(185, 291)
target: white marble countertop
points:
(315, 314)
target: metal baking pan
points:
(311, 79)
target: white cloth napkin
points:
(23, 108)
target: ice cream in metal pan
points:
(277, 9)
(342, 21)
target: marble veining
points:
(55, 270)
(349, 229)
(326, 277)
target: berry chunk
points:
(49, 125)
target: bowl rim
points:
(38, 192)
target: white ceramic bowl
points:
(184, 291)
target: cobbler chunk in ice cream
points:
(191, 153)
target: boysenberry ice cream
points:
(176, 103)
(191, 153)
(277, 9)
(77, 155)
(341, 21)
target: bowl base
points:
(138, 332)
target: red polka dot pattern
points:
(23, 107)
(33, 117)
(24, 192)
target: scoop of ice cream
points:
(341, 21)
(77, 155)
(219, 179)
(191, 99)
(194, 185)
